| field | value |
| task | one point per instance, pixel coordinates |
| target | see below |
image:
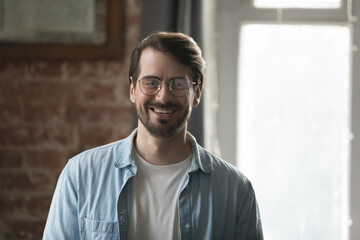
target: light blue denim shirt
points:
(91, 199)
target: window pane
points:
(297, 3)
(293, 127)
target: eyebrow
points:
(153, 76)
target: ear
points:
(132, 91)
(197, 96)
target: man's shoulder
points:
(221, 168)
(103, 149)
(215, 161)
(103, 155)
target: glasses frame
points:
(167, 82)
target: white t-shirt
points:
(154, 199)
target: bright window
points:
(297, 3)
(293, 127)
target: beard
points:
(162, 129)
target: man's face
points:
(163, 114)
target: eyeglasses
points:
(179, 87)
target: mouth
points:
(163, 111)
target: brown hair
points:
(182, 47)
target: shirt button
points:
(123, 219)
(187, 226)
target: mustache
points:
(163, 105)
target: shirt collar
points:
(124, 150)
(199, 159)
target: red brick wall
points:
(49, 111)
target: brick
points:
(110, 69)
(99, 70)
(46, 159)
(99, 92)
(35, 135)
(80, 70)
(9, 91)
(95, 136)
(43, 113)
(13, 135)
(92, 93)
(33, 91)
(10, 205)
(42, 180)
(3, 67)
(38, 206)
(25, 217)
(27, 70)
(23, 229)
(10, 159)
(51, 92)
(125, 94)
(97, 114)
(10, 113)
(12, 70)
(123, 130)
(20, 181)
(50, 111)
(25, 206)
(36, 70)
(16, 181)
(73, 152)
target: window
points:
(297, 3)
(287, 111)
(293, 107)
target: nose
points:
(164, 93)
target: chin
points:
(163, 128)
(163, 131)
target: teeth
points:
(163, 111)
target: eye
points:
(179, 83)
(151, 82)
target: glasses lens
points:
(179, 86)
(150, 85)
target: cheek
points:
(132, 98)
(192, 100)
(132, 94)
(136, 96)
(187, 102)
(141, 99)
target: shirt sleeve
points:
(62, 221)
(248, 221)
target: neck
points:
(162, 150)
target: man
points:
(158, 183)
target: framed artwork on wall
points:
(61, 29)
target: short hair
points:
(182, 47)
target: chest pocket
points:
(99, 230)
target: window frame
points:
(230, 15)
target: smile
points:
(163, 111)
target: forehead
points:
(154, 62)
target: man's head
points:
(182, 47)
(166, 77)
